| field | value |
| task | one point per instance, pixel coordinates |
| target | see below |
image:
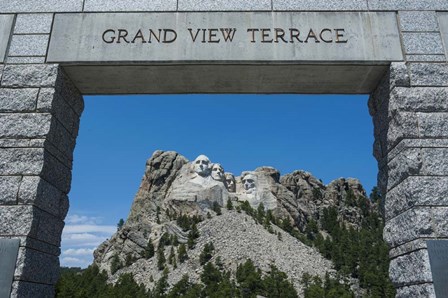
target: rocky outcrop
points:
(312, 197)
(160, 172)
(236, 238)
(172, 186)
(348, 196)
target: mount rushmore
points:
(204, 182)
(172, 187)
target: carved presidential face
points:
(218, 172)
(201, 165)
(249, 183)
(230, 182)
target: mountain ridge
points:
(292, 208)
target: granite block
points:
(423, 43)
(9, 186)
(18, 100)
(26, 60)
(33, 23)
(130, 5)
(429, 74)
(418, 21)
(320, 5)
(32, 75)
(21, 161)
(18, 6)
(24, 125)
(222, 5)
(396, 5)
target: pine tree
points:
(269, 217)
(218, 262)
(165, 240)
(158, 214)
(192, 236)
(206, 253)
(315, 288)
(350, 198)
(276, 284)
(129, 260)
(286, 225)
(216, 208)
(186, 223)
(161, 286)
(127, 287)
(116, 264)
(175, 241)
(180, 288)
(279, 236)
(167, 212)
(89, 282)
(161, 260)
(211, 277)
(194, 231)
(260, 213)
(317, 194)
(249, 279)
(182, 253)
(229, 205)
(185, 289)
(174, 263)
(120, 224)
(148, 253)
(172, 256)
(246, 207)
(311, 229)
(190, 242)
(359, 254)
(375, 195)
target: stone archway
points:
(403, 66)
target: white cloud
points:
(75, 262)
(71, 260)
(72, 229)
(80, 237)
(78, 252)
(82, 219)
(83, 239)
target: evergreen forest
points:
(356, 253)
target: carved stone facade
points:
(41, 104)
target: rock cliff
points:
(173, 187)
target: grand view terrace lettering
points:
(297, 37)
(218, 35)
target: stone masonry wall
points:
(40, 110)
(39, 119)
(410, 114)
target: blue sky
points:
(329, 136)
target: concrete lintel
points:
(306, 37)
(225, 78)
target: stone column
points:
(39, 119)
(410, 114)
